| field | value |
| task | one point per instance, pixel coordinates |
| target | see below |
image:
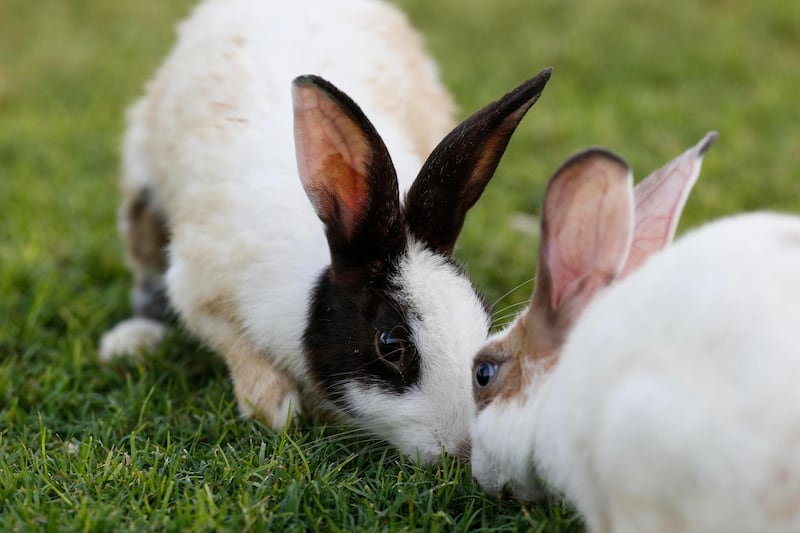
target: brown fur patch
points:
(507, 378)
(528, 350)
(536, 344)
(146, 237)
(223, 308)
(260, 386)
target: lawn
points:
(157, 444)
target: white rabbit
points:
(675, 405)
(595, 229)
(376, 323)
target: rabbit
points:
(690, 369)
(596, 230)
(263, 208)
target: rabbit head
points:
(394, 321)
(595, 229)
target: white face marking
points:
(448, 325)
(505, 436)
(502, 444)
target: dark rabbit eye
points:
(388, 346)
(485, 373)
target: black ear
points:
(458, 169)
(347, 174)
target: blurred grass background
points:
(157, 444)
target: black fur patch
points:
(149, 299)
(341, 340)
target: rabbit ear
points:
(659, 202)
(458, 169)
(347, 174)
(587, 223)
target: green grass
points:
(157, 444)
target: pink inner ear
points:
(589, 224)
(660, 199)
(349, 188)
(332, 155)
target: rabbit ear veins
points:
(458, 169)
(347, 174)
(587, 223)
(660, 199)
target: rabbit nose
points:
(464, 451)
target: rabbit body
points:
(674, 406)
(211, 144)
(336, 289)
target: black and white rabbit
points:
(351, 300)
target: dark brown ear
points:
(587, 223)
(347, 174)
(458, 169)
(660, 198)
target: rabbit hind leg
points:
(144, 231)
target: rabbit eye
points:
(389, 347)
(396, 352)
(485, 373)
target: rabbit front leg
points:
(263, 391)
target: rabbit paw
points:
(262, 390)
(276, 411)
(131, 337)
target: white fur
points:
(675, 405)
(212, 139)
(498, 435)
(132, 337)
